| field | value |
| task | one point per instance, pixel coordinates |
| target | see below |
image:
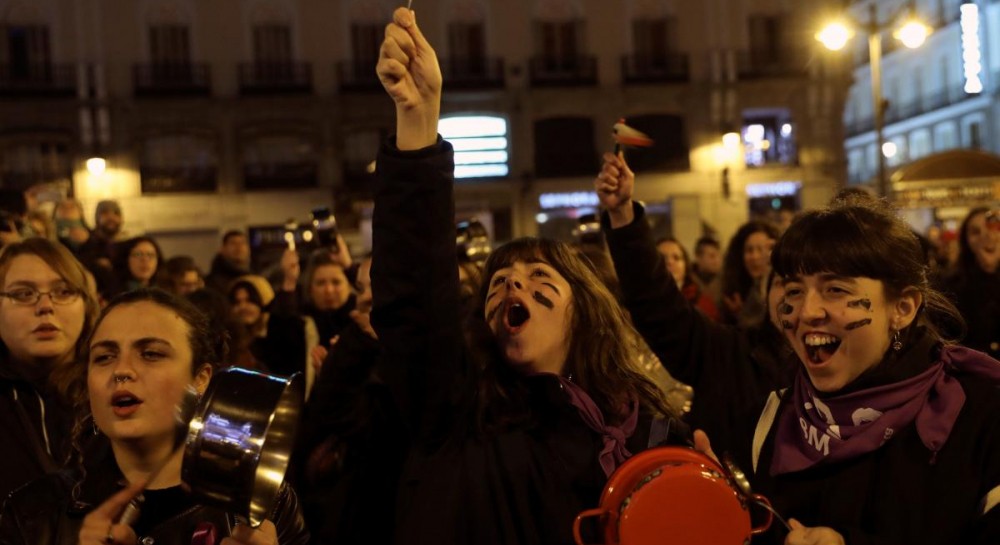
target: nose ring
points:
(121, 379)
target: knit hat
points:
(256, 283)
(107, 206)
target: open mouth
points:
(516, 316)
(124, 400)
(820, 347)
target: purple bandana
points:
(614, 452)
(814, 430)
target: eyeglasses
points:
(147, 255)
(31, 296)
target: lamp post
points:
(912, 34)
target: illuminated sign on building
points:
(774, 189)
(576, 199)
(480, 144)
(972, 54)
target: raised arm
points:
(414, 264)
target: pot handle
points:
(764, 502)
(584, 515)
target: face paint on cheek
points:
(860, 323)
(785, 324)
(492, 313)
(861, 303)
(545, 301)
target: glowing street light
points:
(96, 166)
(912, 34)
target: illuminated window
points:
(480, 144)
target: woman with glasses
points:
(46, 311)
(137, 264)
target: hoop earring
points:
(897, 345)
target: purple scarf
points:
(819, 431)
(614, 452)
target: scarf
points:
(613, 453)
(827, 430)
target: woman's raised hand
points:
(819, 535)
(614, 185)
(409, 72)
(100, 526)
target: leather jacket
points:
(50, 511)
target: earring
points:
(897, 345)
(94, 424)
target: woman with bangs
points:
(47, 309)
(887, 431)
(515, 420)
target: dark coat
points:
(45, 511)
(222, 273)
(976, 293)
(35, 427)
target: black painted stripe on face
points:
(554, 288)
(861, 303)
(545, 301)
(859, 323)
(492, 313)
(785, 324)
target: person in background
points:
(70, 227)
(974, 283)
(707, 267)
(676, 259)
(249, 299)
(180, 276)
(231, 262)
(744, 275)
(47, 311)
(137, 263)
(101, 249)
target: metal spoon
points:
(741, 481)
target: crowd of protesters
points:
(459, 401)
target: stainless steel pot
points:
(240, 439)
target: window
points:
(480, 144)
(26, 163)
(766, 38)
(366, 39)
(769, 137)
(944, 137)
(467, 45)
(272, 44)
(360, 149)
(654, 40)
(564, 146)
(279, 161)
(26, 51)
(178, 163)
(669, 150)
(559, 44)
(975, 137)
(920, 144)
(169, 45)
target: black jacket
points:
(523, 476)
(35, 427)
(731, 370)
(976, 293)
(45, 511)
(222, 274)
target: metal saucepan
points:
(240, 440)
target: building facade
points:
(939, 98)
(245, 113)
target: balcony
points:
(920, 106)
(563, 71)
(37, 80)
(171, 79)
(661, 68)
(767, 64)
(275, 78)
(481, 73)
(358, 77)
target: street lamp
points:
(912, 33)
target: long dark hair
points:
(603, 350)
(735, 277)
(122, 255)
(966, 257)
(865, 238)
